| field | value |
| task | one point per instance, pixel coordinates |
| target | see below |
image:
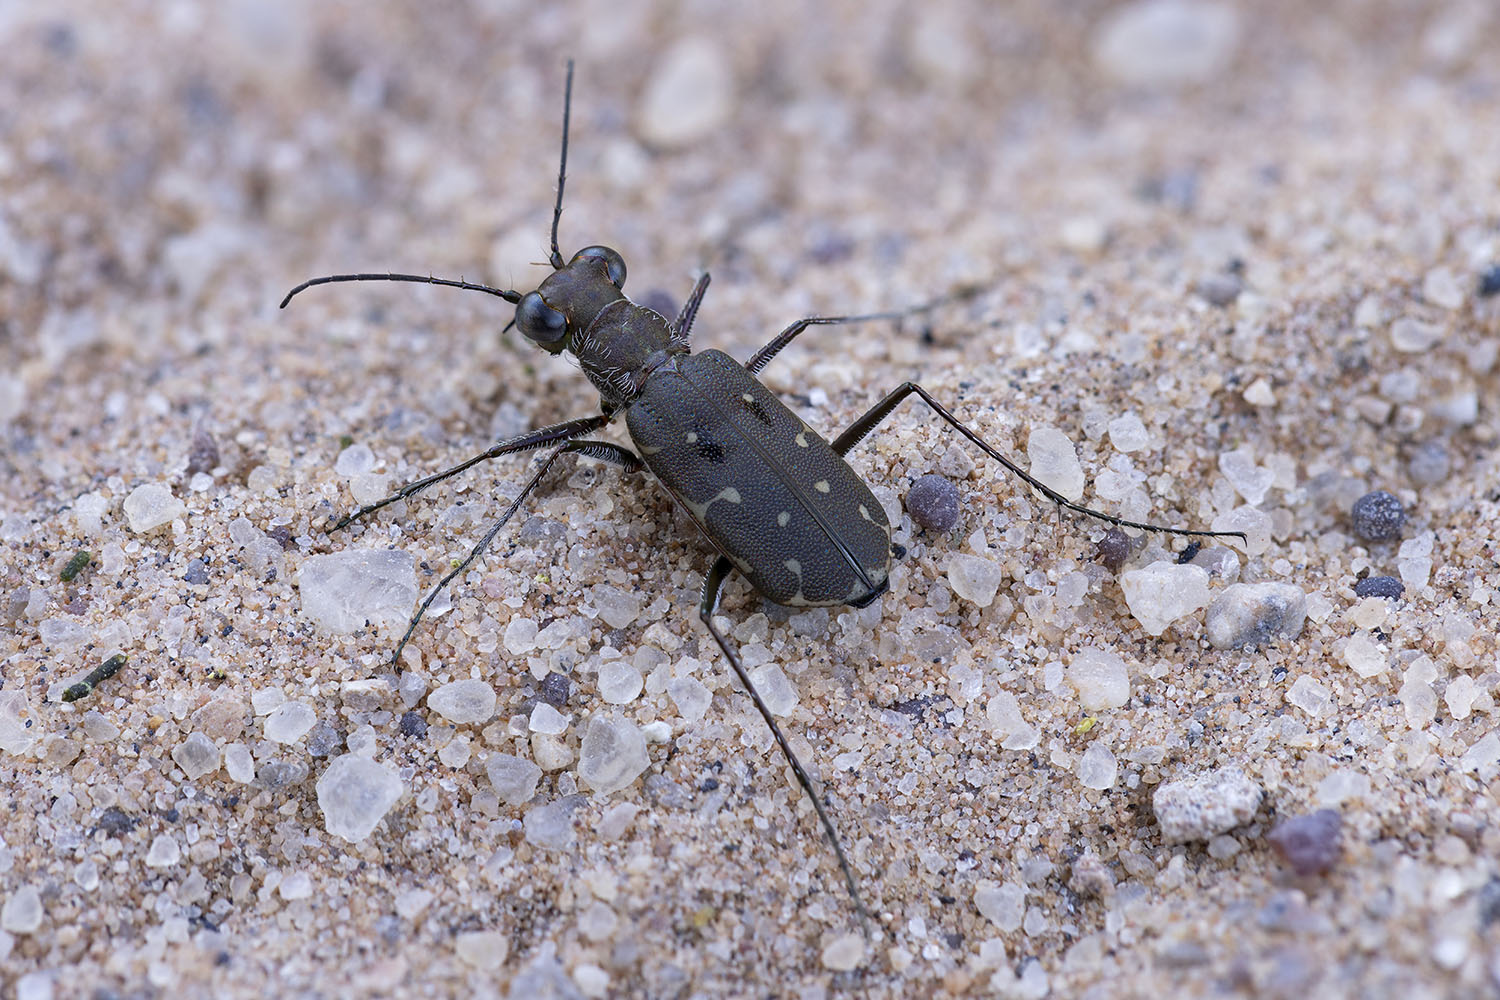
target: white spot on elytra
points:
(747, 397)
(728, 493)
(801, 439)
(864, 513)
(691, 437)
(821, 486)
(793, 566)
(783, 519)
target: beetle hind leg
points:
(713, 586)
(858, 430)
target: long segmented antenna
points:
(562, 170)
(509, 295)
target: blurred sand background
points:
(1261, 228)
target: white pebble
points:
(514, 778)
(689, 96)
(1249, 480)
(1054, 461)
(1001, 904)
(1198, 807)
(17, 729)
(355, 793)
(551, 825)
(1483, 755)
(464, 701)
(164, 852)
(1441, 288)
(1365, 656)
(88, 513)
(455, 753)
(1097, 767)
(197, 756)
(297, 885)
(1259, 393)
(1419, 701)
(1127, 433)
(355, 460)
(1311, 696)
(1164, 592)
(151, 506)
(63, 634)
(843, 953)
(289, 722)
(691, 697)
(1156, 43)
(612, 754)
(1100, 677)
(1460, 696)
(239, 763)
(592, 981)
(483, 950)
(1010, 727)
(343, 592)
(620, 682)
(22, 912)
(774, 689)
(974, 578)
(520, 636)
(1413, 336)
(1248, 614)
(547, 720)
(35, 985)
(617, 608)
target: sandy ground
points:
(1259, 230)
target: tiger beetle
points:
(778, 501)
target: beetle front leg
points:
(602, 450)
(539, 438)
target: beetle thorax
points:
(622, 346)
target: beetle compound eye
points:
(613, 262)
(539, 321)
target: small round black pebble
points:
(555, 688)
(1379, 586)
(1114, 549)
(412, 724)
(1378, 516)
(1310, 844)
(1489, 282)
(932, 502)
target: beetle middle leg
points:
(603, 450)
(713, 586)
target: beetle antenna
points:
(562, 169)
(507, 294)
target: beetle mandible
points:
(778, 501)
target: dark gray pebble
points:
(1114, 549)
(412, 724)
(1378, 516)
(197, 573)
(555, 689)
(1379, 586)
(932, 502)
(1310, 844)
